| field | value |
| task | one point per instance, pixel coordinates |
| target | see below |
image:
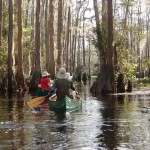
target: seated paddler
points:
(62, 84)
(45, 84)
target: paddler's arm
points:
(73, 87)
(53, 88)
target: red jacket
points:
(45, 83)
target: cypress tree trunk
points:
(1, 19)
(67, 39)
(37, 70)
(20, 75)
(51, 40)
(59, 34)
(105, 81)
(11, 79)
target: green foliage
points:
(3, 62)
(102, 37)
(129, 4)
(27, 33)
(129, 70)
(143, 82)
(79, 69)
(27, 47)
(97, 69)
(125, 59)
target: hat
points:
(62, 74)
(45, 74)
(68, 76)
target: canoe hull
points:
(67, 104)
(42, 92)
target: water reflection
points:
(107, 138)
(12, 130)
(107, 123)
(122, 124)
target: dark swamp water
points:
(104, 123)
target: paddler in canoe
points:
(45, 84)
(62, 84)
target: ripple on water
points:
(102, 123)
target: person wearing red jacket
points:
(45, 84)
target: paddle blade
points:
(36, 101)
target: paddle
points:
(36, 101)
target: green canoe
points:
(42, 92)
(67, 104)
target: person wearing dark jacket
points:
(62, 84)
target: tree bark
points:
(1, 19)
(37, 70)
(20, 75)
(11, 79)
(51, 40)
(59, 34)
(89, 65)
(105, 82)
(102, 55)
(47, 53)
(67, 38)
(32, 57)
